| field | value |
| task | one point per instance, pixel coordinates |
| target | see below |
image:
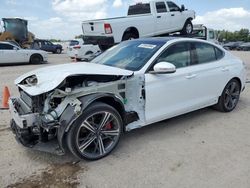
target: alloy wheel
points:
(232, 94)
(98, 134)
(189, 28)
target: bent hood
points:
(48, 78)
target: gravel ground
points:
(200, 149)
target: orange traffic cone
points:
(5, 99)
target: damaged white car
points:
(84, 108)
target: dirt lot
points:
(201, 149)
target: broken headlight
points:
(31, 81)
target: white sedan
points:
(85, 107)
(10, 53)
(77, 49)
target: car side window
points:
(173, 7)
(205, 52)
(6, 47)
(219, 53)
(177, 54)
(160, 7)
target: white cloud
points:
(70, 13)
(79, 10)
(11, 2)
(229, 19)
(117, 3)
(54, 27)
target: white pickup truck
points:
(155, 18)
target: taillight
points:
(107, 28)
(77, 47)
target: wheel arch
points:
(234, 78)
(36, 54)
(69, 117)
(239, 80)
(133, 30)
(89, 52)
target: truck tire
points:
(96, 132)
(188, 28)
(129, 36)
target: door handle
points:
(172, 14)
(158, 16)
(191, 76)
(225, 69)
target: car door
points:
(212, 72)
(177, 18)
(163, 18)
(169, 95)
(10, 54)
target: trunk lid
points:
(93, 28)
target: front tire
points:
(96, 132)
(230, 97)
(58, 51)
(188, 28)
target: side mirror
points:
(182, 8)
(15, 48)
(164, 68)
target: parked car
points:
(144, 20)
(85, 107)
(47, 46)
(232, 45)
(77, 49)
(10, 53)
(244, 47)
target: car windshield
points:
(129, 55)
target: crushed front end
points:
(30, 126)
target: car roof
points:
(41, 40)
(157, 39)
(171, 38)
(6, 42)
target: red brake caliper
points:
(108, 126)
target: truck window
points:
(173, 7)
(139, 9)
(211, 34)
(160, 7)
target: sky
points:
(61, 19)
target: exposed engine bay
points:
(47, 117)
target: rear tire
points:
(96, 132)
(36, 59)
(188, 28)
(129, 36)
(229, 98)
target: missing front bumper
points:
(28, 131)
